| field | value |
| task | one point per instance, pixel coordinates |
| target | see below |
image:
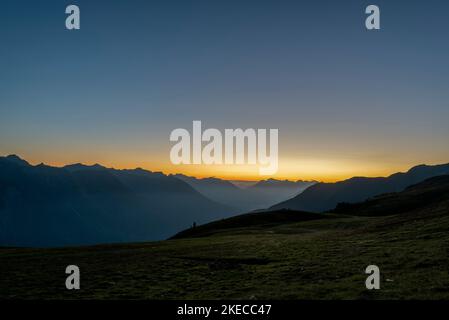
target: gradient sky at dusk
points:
(346, 101)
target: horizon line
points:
(37, 163)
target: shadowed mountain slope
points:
(431, 191)
(325, 196)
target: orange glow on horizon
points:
(293, 170)
(320, 163)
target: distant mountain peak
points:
(80, 166)
(418, 167)
(16, 159)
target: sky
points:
(347, 101)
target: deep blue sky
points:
(347, 101)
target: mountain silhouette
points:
(77, 204)
(17, 160)
(432, 191)
(260, 195)
(325, 196)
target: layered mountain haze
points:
(326, 196)
(77, 204)
(259, 195)
(277, 190)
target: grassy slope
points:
(247, 221)
(320, 259)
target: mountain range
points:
(326, 196)
(77, 204)
(80, 205)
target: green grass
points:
(320, 259)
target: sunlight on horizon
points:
(289, 169)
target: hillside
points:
(266, 219)
(315, 259)
(325, 196)
(421, 195)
